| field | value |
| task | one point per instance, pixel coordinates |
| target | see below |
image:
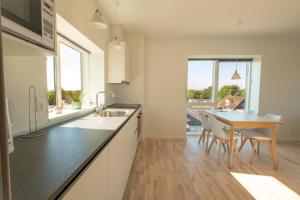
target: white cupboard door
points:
(93, 183)
(133, 136)
(117, 64)
(118, 159)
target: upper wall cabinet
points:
(118, 63)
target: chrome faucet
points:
(101, 107)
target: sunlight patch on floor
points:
(265, 187)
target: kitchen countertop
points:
(43, 167)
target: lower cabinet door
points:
(118, 164)
(93, 183)
(121, 154)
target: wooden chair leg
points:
(258, 147)
(243, 142)
(224, 147)
(211, 144)
(253, 150)
(207, 140)
(227, 145)
(219, 150)
(242, 138)
(204, 135)
(251, 142)
(201, 136)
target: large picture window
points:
(210, 85)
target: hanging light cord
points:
(239, 23)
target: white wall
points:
(166, 80)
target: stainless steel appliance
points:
(31, 20)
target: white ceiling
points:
(205, 17)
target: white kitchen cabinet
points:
(106, 177)
(121, 154)
(93, 183)
(118, 63)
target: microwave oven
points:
(31, 20)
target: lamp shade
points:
(98, 20)
(236, 76)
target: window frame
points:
(84, 70)
(215, 83)
(55, 79)
(82, 52)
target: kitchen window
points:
(65, 78)
(70, 61)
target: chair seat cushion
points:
(255, 134)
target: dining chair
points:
(222, 136)
(252, 112)
(259, 135)
(206, 129)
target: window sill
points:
(67, 114)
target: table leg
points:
(274, 156)
(231, 148)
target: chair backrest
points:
(217, 127)
(204, 121)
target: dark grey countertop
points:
(43, 167)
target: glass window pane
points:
(200, 80)
(199, 92)
(51, 81)
(70, 66)
(231, 93)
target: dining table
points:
(241, 120)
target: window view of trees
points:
(230, 90)
(200, 94)
(226, 90)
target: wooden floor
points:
(180, 169)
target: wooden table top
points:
(243, 117)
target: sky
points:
(200, 74)
(70, 65)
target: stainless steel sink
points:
(112, 114)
